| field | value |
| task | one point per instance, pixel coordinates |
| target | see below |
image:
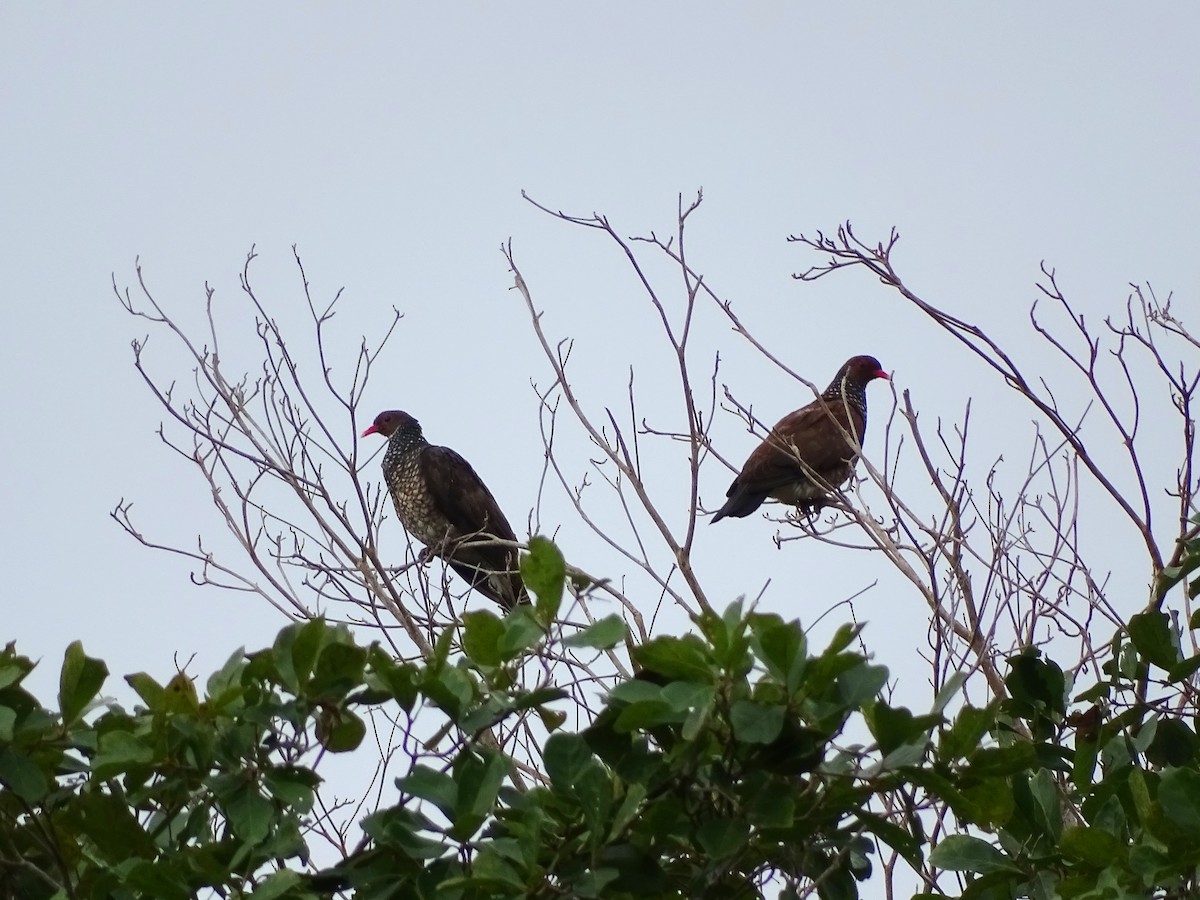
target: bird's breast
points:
(415, 506)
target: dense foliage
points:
(723, 763)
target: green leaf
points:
(782, 647)
(1150, 633)
(603, 634)
(339, 669)
(722, 838)
(949, 691)
(340, 730)
(521, 631)
(1035, 682)
(964, 853)
(148, 878)
(248, 812)
(1003, 760)
(566, 758)
(966, 734)
(1179, 797)
(756, 723)
(278, 884)
(842, 638)
(119, 752)
(20, 775)
(482, 633)
(991, 803)
(293, 786)
(1043, 788)
(151, 692)
(479, 779)
(296, 651)
(449, 687)
(1174, 744)
(108, 821)
(13, 668)
(595, 792)
(225, 685)
(1093, 846)
(684, 658)
(862, 683)
(631, 806)
(439, 788)
(544, 572)
(687, 695)
(79, 682)
(891, 726)
(398, 680)
(1183, 670)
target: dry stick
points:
(269, 453)
(619, 458)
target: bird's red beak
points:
(371, 429)
(881, 374)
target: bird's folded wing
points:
(815, 435)
(461, 496)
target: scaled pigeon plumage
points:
(809, 451)
(447, 507)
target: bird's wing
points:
(813, 433)
(461, 495)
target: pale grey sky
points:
(390, 142)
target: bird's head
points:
(389, 422)
(861, 369)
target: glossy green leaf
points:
(425, 783)
(479, 779)
(521, 632)
(19, 774)
(1179, 797)
(723, 837)
(1150, 633)
(119, 752)
(862, 683)
(783, 647)
(1174, 744)
(108, 821)
(1044, 789)
(151, 692)
(965, 853)
(949, 690)
(1093, 846)
(965, 736)
(483, 632)
(79, 682)
(1036, 682)
(340, 730)
(756, 723)
(544, 572)
(248, 812)
(338, 670)
(281, 884)
(685, 658)
(603, 634)
(296, 650)
(292, 785)
(566, 757)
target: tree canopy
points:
(573, 747)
